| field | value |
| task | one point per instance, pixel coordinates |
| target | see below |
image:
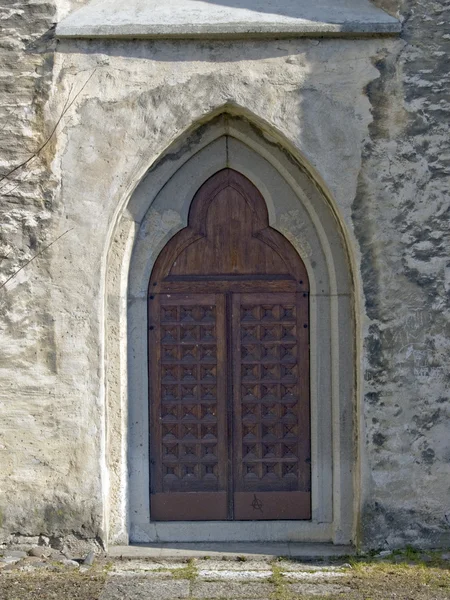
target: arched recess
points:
(298, 209)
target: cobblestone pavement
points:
(43, 573)
(207, 579)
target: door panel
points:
(229, 371)
(271, 433)
(189, 506)
(188, 417)
(269, 506)
(229, 246)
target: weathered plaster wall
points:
(50, 413)
(370, 116)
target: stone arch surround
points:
(298, 208)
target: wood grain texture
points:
(228, 237)
(188, 395)
(271, 393)
(229, 363)
(189, 506)
(272, 506)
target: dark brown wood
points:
(224, 286)
(188, 397)
(189, 506)
(229, 246)
(227, 238)
(271, 430)
(270, 506)
(304, 418)
(211, 387)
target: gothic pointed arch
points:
(228, 235)
(297, 207)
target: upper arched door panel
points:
(228, 243)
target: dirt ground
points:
(399, 577)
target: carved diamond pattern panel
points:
(201, 378)
(188, 400)
(269, 396)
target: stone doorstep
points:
(232, 551)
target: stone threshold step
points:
(230, 551)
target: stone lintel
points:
(226, 19)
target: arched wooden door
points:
(229, 365)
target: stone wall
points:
(401, 215)
(383, 104)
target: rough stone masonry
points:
(80, 124)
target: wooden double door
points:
(229, 365)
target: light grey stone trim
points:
(156, 211)
(226, 19)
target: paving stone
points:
(313, 575)
(232, 590)
(232, 565)
(233, 574)
(318, 589)
(299, 566)
(146, 565)
(149, 574)
(132, 587)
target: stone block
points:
(232, 590)
(130, 587)
(244, 575)
(318, 589)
